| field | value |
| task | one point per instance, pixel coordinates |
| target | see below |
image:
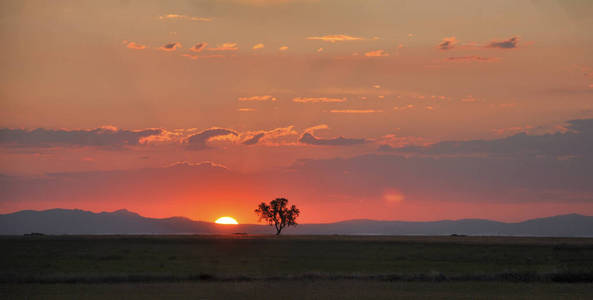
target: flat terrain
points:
(313, 266)
(301, 289)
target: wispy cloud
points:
(198, 47)
(258, 98)
(107, 136)
(310, 139)
(135, 46)
(245, 109)
(575, 140)
(184, 17)
(254, 139)
(376, 53)
(335, 38)
(318, 100)
(283, 48)
(225, 47)
(258, 46)
(448, 43)
(275, 137)
(199, 141)
(170, 46)
(355, 111)
(509, 43)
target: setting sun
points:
(226, 220)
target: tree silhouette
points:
(277, 214)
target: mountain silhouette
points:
(75, 221)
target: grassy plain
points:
(315, 266)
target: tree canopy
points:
(277, 214)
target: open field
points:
(301, 289)
(210, 266)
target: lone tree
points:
(277, 214)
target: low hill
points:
(67, 221)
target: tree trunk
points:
(278, 231)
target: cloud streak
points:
(258, 98)
(376, 53)
(509, 43)
(448, 43)
(170, 46)
(200, 140)
(318, 100)
(135, 46)
(184, 17)
(225, 47)
(198, 47)
(355, 111)
(335, 38)
(254, 139)
(310, 139)
(100, 137)
(576, 141)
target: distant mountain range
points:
(68, 221)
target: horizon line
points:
(318, 223)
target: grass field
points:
(315, 266)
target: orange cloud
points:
(509, 43)
(199, 141)
(308, 137)
(316, 127)
(319, 50)
(199, 47)
(225, 47)
(283, 48)
(275, 137)
(170, 46)
(355, 111)
(258, 46)
(376, 53)
(245, 109)
(318, 100)
(132, 45)
(258, 98)
(184, 17)
(448, 43)
(335, 38)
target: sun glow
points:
(226, 220)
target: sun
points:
(226, 220)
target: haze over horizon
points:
(80, 222)
(125, 211)
(417, 111)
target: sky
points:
(374, 109)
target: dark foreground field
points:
(294, 267)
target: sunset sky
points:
(388, 110)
